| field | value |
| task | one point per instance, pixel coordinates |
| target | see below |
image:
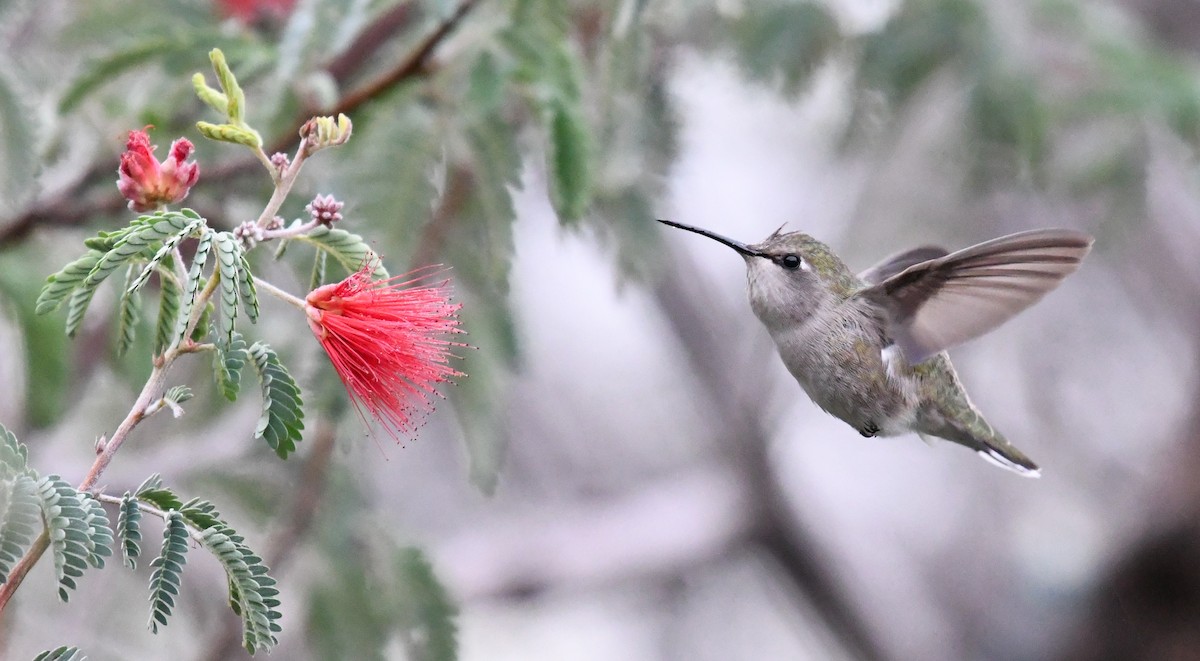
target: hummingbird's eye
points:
(790, 262)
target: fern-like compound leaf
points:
(318, 271)
(60, 285)
(129, 530)
(228, 359)
(192, 287)
(66, 524)
(425, 608)
(252, 593)
(61, 654)
(282, 413)
(99, 532)
(168, 312)
(20, 520)
(153, 491)
(169, 244)
(129, 312)
(14, 456)
(164, 582)
(246, 290)
(229, 256)
(144, 232)
(350, 250)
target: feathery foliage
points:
(282, 410)
(129, 530)
(20, 519)
(349, 249)
(424, 608)
(71, 541)
(228, 359)
(168, 566)
(192, 287)
(61, 654)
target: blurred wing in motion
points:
(936, 304)
(900, 261)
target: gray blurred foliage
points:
(586, 494)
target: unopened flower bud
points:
(325, 209)
(321, 132)
(280, 161)
(249, 233)
(146, 182)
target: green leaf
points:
(178, 394)
(20, 520)
(192, 287)
(246, 289)
(229, 257)
(201, 514)
(782, 44)
(164, 252)
(570, 163)
(20, 128)
(168, 312)
(282, 410)
(145, 231)
(129, 530)
(479, 401)
(916, 42)
(425, 609)
(14, 456)
(235, 107)
(66, 524)
(100, 535)
(164, 582)
(128, 313)
(228, 359)
(104, 69)
(61, 654)
(252, 593)
(60, 285)
(350, 250)
(153, 491)
(318, 271)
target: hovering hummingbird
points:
(871, 348)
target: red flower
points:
(148, 184)
(386, 340)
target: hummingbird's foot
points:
(869, 430)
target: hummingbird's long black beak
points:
(736, 245)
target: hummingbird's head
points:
(790, 274)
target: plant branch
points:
(279, 293)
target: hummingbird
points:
(870, 348)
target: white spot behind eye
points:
(804, 265)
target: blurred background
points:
(628, 472)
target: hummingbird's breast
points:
(838, 357)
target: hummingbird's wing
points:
(896, 263)
(934, 305)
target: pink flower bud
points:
(148, 184)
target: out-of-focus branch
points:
(433, 236)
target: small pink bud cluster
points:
(149, 184)
(324, 209)
(249, 233)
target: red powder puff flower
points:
(148, 184)
(386, 339)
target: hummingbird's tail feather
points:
(1019, 464)
(974, 432)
